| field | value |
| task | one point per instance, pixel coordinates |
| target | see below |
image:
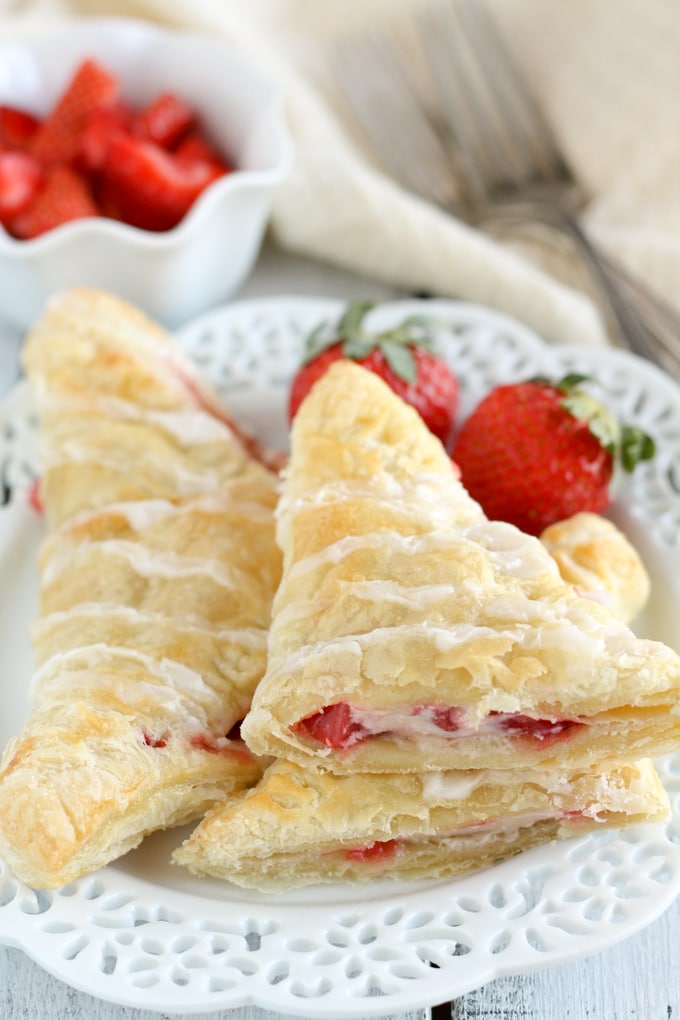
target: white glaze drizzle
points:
(147, 563)
(249, 637)
(179, 686)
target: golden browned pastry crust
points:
(447, 640)
(157, 576)
(112, 388)
(301, 825)
(597, 558)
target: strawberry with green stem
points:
(403, 356)
(536, 452)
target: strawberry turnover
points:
(437, 698)
(157, 573)
(410, 632)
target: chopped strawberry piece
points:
(125, 162)
(379, 851)
(544, 731)
(332, 726)
(58, 137)
(446, 717)
(20, 177)
(35, 496)
(95, 141)
(220, 745)
(196, 149)
(154, 741)
(16, 127)
(164, 121)
(64, 196)
(203, 743)
(149, 187)
(270, 458)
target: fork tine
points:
(478, 90)
(523, 117)
(475, 109)
(462, 118)
(391, 115)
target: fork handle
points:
(638, 319)
(656, 315)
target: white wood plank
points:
(639, 979)
(28, 993)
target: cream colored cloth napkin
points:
(607, 72)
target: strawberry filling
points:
(251, 446)
(332, 726)
(35, 496)
(220, 746)
(544, 731)
(444, 717)
(151, 741)
(229, 747)
(381, 850)
(340, 726)
(385, 850)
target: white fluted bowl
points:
(175, 274)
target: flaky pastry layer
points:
(301, 825)
(157, 577)
(411, 633)
(596, 557)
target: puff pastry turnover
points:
(410, 633)
(301, 825)
(593, 555)
(157, 576)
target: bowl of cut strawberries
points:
(137, 159)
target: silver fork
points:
(457, 124)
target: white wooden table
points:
(640, 978)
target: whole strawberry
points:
(403, 357)
(533, 453)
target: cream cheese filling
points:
(424, 724)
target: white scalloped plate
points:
(142, 933)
